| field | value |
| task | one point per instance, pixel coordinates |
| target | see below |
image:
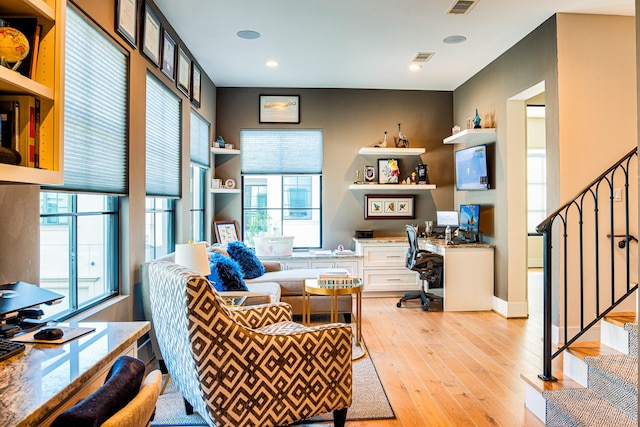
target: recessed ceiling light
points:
(271, 63)
(248, 34)
(454, 39)
(415, 67)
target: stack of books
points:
(341, 279)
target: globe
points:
(14, 46)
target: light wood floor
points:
(452, 369)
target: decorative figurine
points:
(476, 121)
(401, 141)
(382, 144)
(357, 181)
(414, 177)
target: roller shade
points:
(200, 129)
(281, 151)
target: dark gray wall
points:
(350, 119)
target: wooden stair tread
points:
(583, 349)
(619, 319)
(539, 385)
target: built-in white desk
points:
(468, 271)
(47, 379)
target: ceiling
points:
(358, 43)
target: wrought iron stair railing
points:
(587, 246)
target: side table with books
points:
(333, 286)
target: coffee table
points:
(311, 287)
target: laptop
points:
(444, 218)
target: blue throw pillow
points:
(249, 262)
(226, 274)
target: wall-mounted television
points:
(469, 229)
(471, 168)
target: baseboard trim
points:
(510, 310)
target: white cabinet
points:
(383, 268)
(351, 265)
(46, 85)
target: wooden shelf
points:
(36, 8)
(374, 151)
(391, 187)
(472, 136)
(225, 190)
(14, 82)
(229, 151)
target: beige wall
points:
(351, 119)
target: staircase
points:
(598, 385)
(589, 278)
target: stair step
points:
(539, 385)
(595, 348)
(571, 407)
(615, 378)
(621, 318)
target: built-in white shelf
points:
(225, 190)
(472, 136)
(391, 187)
(374, 151)
(216, 150)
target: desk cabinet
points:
(383, 268)
(352, 266)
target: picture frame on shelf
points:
(226, 231)
(151, 35)
(126, 21)
(184, 72)
(389, 206)
(280, 109)
(369, 174)
(388, 171)
(168, 56)
(196, 76)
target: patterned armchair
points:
(248, 366)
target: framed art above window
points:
(279, 109)
(379, 206)
(126, 22)
(151, 35)
(184, 72)
(196, 76)
(168, 56)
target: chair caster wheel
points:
(425, 307)
(399, 304)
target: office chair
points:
(429, 267)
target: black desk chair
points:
(428, 265)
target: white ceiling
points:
(358, 43)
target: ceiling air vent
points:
(461, 7)
(423, 56)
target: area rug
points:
(369, 399)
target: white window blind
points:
(199, 140)
(163, 140)
(95, 110)
(281, 151)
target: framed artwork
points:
(126, 20)
(385, 206)
(369, 175)
(226, 231)
(184, 72)
(388, 171)
(195, 84)
(168, 56)
(279, 109)
(151, 35)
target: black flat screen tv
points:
(471, 168)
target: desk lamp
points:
(193, 256)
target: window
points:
(200, 131)
(162, 167)
(78, 249)
(79, 220)
(536, 188)
(281, 184)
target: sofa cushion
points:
(249, 262)
(226, 274)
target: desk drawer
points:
(384, 256)
(390, 280)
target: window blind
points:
(95, 110)
(199, 140)
(162, 141)
(281, 151)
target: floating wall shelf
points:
(374, 151)
(391, 187)
(472, 136)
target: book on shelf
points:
(25, 111)
(9, 132)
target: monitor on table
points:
(469, 222)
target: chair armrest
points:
(257, 316)
(272, 266)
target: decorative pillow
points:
(122, 384)
(249, 262)
(226, 274)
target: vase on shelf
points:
(476, 121)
